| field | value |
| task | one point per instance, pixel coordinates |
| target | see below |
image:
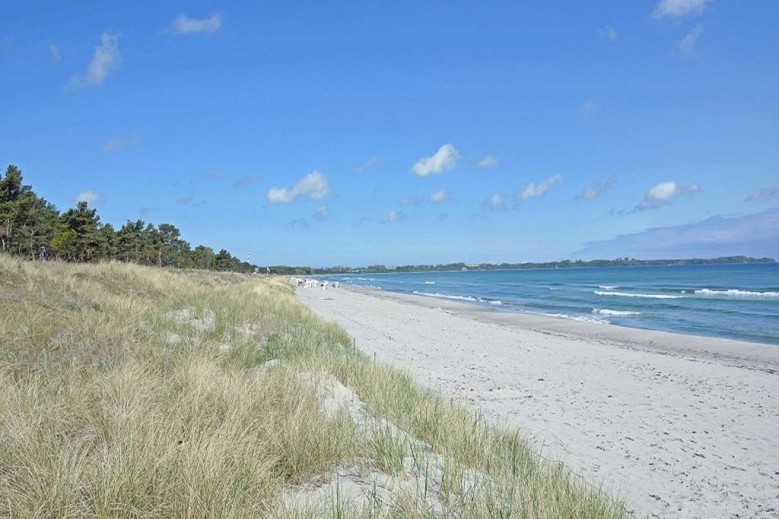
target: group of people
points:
(312, 283)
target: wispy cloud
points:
(596, 190)
(189, 201)
(608, 32)
(368, 164)
(439, 196)
(488, 161)
(107, 59)
(314, 186)
(54, 53)
(184, 25)
(590, 107)
(664, 193)
(753, 235)
(409, 200)
(323, 213)
(393, 216)
(687, 44)
(90, 197)
(538, 190)
(764, 194)
(298, 222)
(244, 182)
(679, 8)
(216, 175)
(442, 160)
(495, 203)
(121, 143)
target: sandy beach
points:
(675, 425)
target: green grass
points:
(128, 391)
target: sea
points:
(734, 301)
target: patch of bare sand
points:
(677, 426)
(361, 487)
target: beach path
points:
(676, 426)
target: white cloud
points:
(106, 59)
(539, 190)
(314, 185)
(54, 53)
(323, 213)
(663, 193)
(439, 196)
(393, 216)
(761, 195)
(443, 159)
(495, 203)
(368, 164)
(90, 197)
(752, 235)
(608, 32)
(184, 25)
(121, 143)
(687, 44)
(488, 162)
(679, 8)
(596, 190)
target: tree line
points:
(564, 264)
(34, 228)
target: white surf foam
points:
(446, 296)
(470, 299)
(582, 318)
(735, 293)
(616, 313)
(629, 294)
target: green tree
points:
(203, 258)
(169, 244)
(89, 243)
(109, 242)
(10, 190)
(225, 261)
(26, 220)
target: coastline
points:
(674, 424)
(752, 355)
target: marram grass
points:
(129, 391)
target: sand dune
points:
(677, 426)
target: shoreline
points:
(740, 353)
(675, 425)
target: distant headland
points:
(441, 267)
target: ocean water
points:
(738, 301)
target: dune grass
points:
(129, 391)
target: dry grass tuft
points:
(128, 391)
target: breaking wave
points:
(615, 313)
(470, 299)
(735, 293)
(628, 294)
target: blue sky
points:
(354, 133)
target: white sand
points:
(677, 426)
